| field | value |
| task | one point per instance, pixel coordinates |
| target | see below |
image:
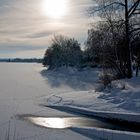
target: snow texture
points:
(24, 86)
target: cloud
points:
(41, 34)
(23, 26)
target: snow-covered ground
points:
(24, 86)
(121, 101)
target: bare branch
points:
(119, 3)
(135, 35)
(133, 8)
(106, 6)
(134, 30)
(136, 13)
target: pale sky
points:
(26, 28)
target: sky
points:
(26, 29)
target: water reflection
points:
(61, 123)
(67, 122)
(48, 122)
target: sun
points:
(55, 8)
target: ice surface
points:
(24, 86)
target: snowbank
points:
(104, 134)
(128, 117)
(122, 101)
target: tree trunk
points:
(137, 71)
(128, 47)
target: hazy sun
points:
(55, 8)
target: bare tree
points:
(122, 12)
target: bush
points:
(63, 51)
(106, 79)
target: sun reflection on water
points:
(58, 123)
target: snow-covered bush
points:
(63, 51)
(106, 80)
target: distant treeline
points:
(22, 60)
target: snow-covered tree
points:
(63, 51)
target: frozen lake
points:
(24, 86)
(21, 87)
